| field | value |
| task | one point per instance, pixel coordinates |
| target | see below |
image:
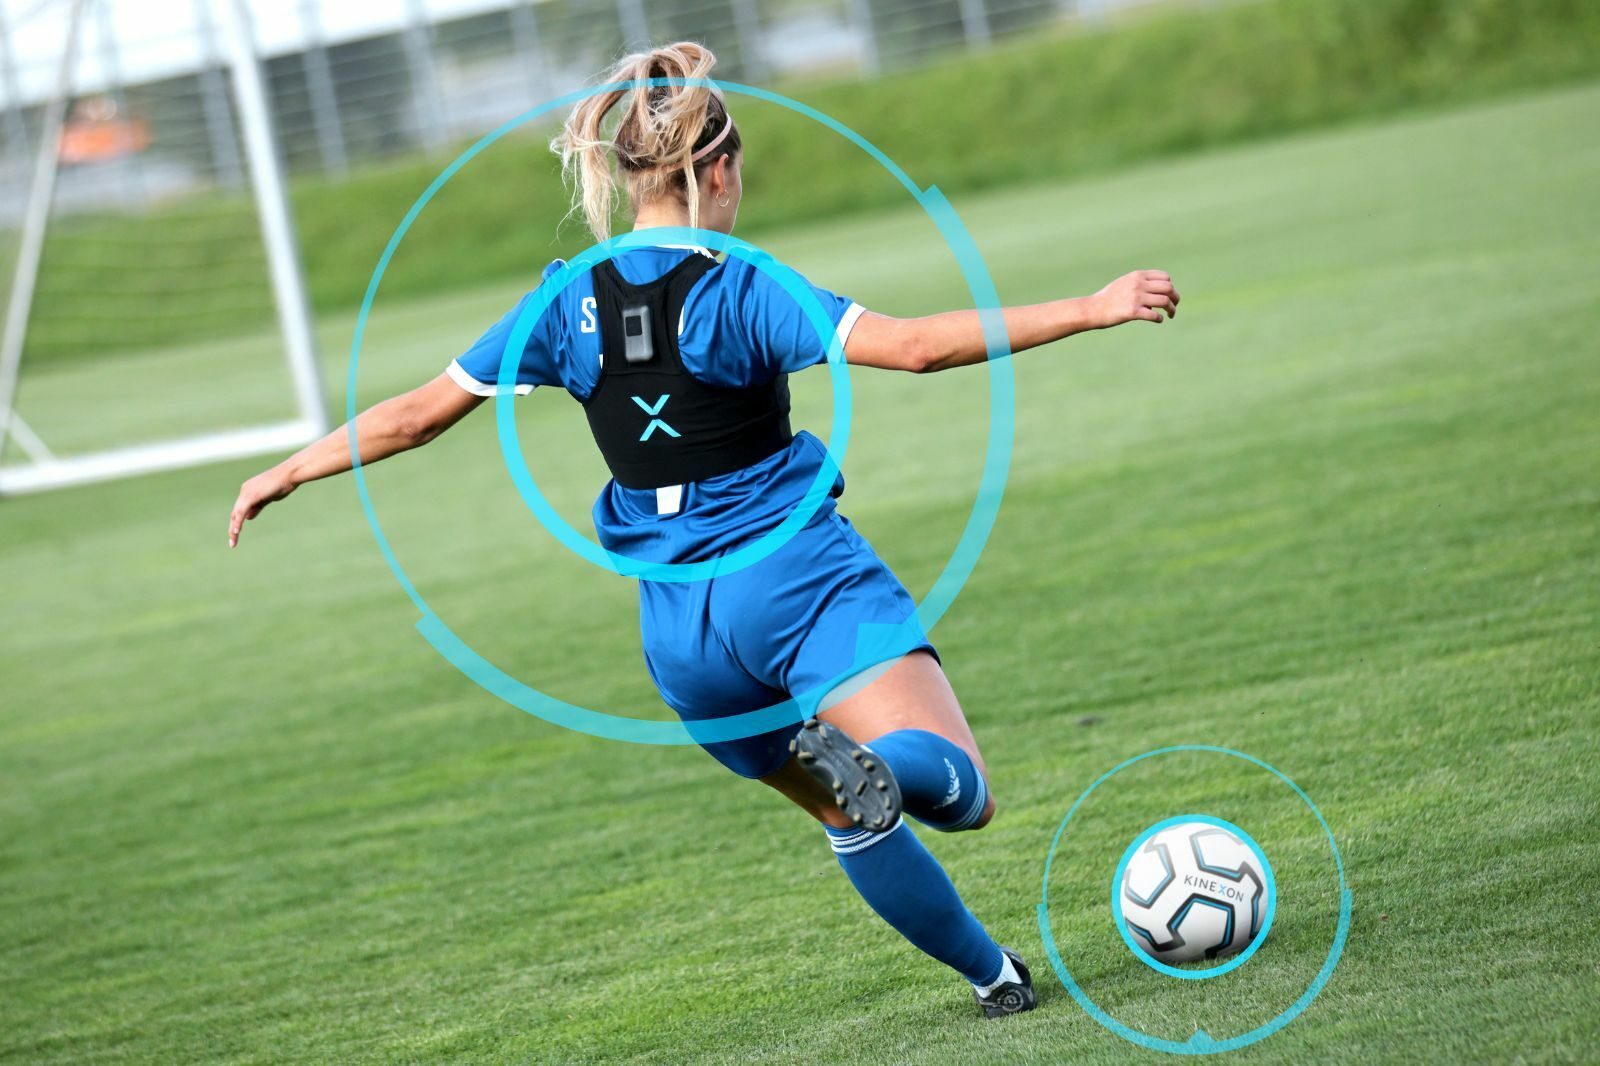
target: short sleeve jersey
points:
(739, 328)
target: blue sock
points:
(940, 785)
(908, 888)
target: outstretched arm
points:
(955, 338)
(407, 421)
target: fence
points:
(353, 83)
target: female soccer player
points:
(680, 362)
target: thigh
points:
(912, 693)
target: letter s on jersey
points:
(587, 323)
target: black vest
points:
(655, 423)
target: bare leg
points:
(807, 793)
(912, 693)
(884, 860)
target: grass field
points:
(1341, 514)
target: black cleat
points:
(1012, 997)
(862, 786)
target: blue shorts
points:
(787, 629)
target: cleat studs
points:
(839, 802)
(838, 786)
(812, 724)
(879, 822)
(807, 757)
(881, 785)
(869, 766)
(856, 818)
(794, 745)
(861, 787)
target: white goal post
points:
(45, 470)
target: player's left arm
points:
(398, 424)
(955, 338)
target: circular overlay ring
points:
(511, 447)
(1201, 1043)
(882, 641)
(1270, 888)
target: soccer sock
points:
(907, 887)
(939, 784)
(1008, 972)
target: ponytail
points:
(666, 135)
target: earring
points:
(724, 201)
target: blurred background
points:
(353, 83)
(1341, 514)
(146, 204)
(150, 238)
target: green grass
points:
(1038, 107)
(1341, 515)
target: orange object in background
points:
(95, 132)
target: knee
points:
(986, 815)
(983, 818)
(967, 825)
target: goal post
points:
(30, 246)
(43, 468)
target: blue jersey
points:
(792, 626)
(739, 328)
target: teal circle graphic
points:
(560, 528)
(872, 647)
(1201, 1043)
(1270, 888)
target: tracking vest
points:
(655, 423)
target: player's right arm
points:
(955, 338)
(407, 421)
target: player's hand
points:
(1144, 294)
(254, 495)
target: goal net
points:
(155, 312)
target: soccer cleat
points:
(862, 786)
(1008, 997)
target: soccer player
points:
(680, 362)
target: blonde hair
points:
(655, 139)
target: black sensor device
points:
(636, 342)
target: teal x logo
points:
(655, 423)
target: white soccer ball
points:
(1194, 890)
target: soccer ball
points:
(1194, 889)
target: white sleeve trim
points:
(848, 321)
(459, 375)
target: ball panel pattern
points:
(1192, 891)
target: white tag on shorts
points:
(669, 499)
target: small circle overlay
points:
(874, 644)
(1201, 1042)
(1270, 904)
